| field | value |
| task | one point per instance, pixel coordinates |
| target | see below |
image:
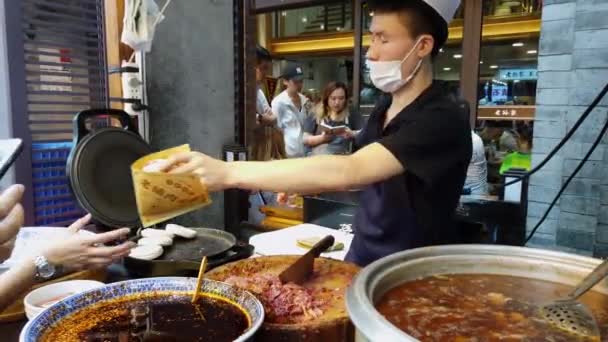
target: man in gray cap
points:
(291, 110)
(413, 152)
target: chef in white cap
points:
(413, 152)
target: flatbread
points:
(152, 233)
(164, 241)
(180, 231)
(149, 252)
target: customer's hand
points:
(212, 172)
(11, 219)
(327, 137)
(80, 251)
(348, 134)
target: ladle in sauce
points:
(199, 280)
(571, 315)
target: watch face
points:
(47, 270)
(44, 269)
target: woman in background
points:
(331, 112)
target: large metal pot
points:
(379, 277)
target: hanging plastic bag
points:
(139, 23)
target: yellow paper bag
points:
(161, 196)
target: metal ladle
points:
(573, 316)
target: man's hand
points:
(212, 172)
(267, 118)
(79, 251)
(11, 218)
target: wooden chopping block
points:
(334, 325)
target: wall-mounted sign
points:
(506, 112)
(499, 92)
(517, 74)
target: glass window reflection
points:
(333, 18)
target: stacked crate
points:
(54, 203)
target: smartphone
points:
(10, 149)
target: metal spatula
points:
(571, 315)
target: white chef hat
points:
(445, 8)
(441, 12)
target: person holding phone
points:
(329, 130)
(76, 252)
(413, 153)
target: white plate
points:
(54, 291)
(33, 240)
(283, 242)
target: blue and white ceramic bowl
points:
(54, 314)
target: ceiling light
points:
(447, 69)
(457, 56)
(493, 66)
(532, 52)
(480, 62)
(518, 44)
(441, 50)
(283, 14)
(304, 19)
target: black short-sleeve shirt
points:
(432, 139)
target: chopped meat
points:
(284, 303)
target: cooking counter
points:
(483, 219)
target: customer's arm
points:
(73, 253)
(316, 140)
(268, 118)
(371, 164)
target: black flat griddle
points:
(185, 255)
(208, 242)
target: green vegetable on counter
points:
(308, 243)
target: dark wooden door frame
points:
(471, 46)
(358, 52)
(244, 73)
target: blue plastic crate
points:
(54, 202)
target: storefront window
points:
(331, 18)
(505, 8)
(507, 85)
(448, 65)
(508, 72)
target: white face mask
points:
(387, 76)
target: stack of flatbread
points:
(154, 241)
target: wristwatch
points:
(44, 269)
